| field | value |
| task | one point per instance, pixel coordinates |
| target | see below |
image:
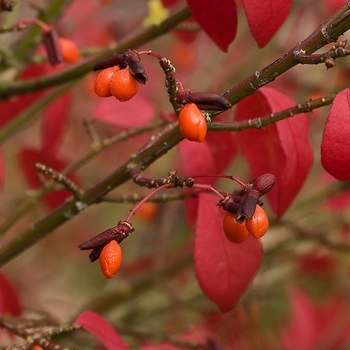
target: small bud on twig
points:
(203, 100)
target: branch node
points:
(60, 178)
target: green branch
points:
(8, 89)
(328, 31)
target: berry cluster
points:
(120, 75)
(237, 232)
(244, 215)
(116, 82)
(106, 247)
(244, 212)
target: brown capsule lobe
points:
(264, 183)
(117, 60)
(247, 206)
(52, 46)
(136, 68)
(119, 232)
(203, 100)
(231, 203)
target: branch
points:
(96, 148)
(94, 194)
(8, 89)
(327, 32)
(166, 140)
(31, 112)
(37, 336)
(338, 50)
(258, 123)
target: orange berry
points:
(123, 85)
(234, 231)
(259, 223)
(101, 85)
(110, 258)
(192, 123)
(147, 211)
(69, 50)
(37, 347)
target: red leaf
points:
(28, 157)
(218, 18)
(104, 331)
(313, 325)
(265, 17)
(136, 112)
(339, 202)
(209, 157)
(282, 149)
(9, 301)
(223, 269)
(54, 122)
(335, 147)
(9, 109)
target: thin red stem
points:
(209, 188)
(222, 176)
(45, 27)
(146, 198)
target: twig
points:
(158, 198)
(328, 31)
(171, 179)
(260, 122)
(95, 150)
(29, 85)
(337, 50)
(37, 336)
(30, 113)
(61, 179)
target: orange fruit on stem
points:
(110, 258)
(192, 123)
(259, 223)
(70, 52)
(101, 85)
(148, 211)
(234, 231)
(123, 85)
